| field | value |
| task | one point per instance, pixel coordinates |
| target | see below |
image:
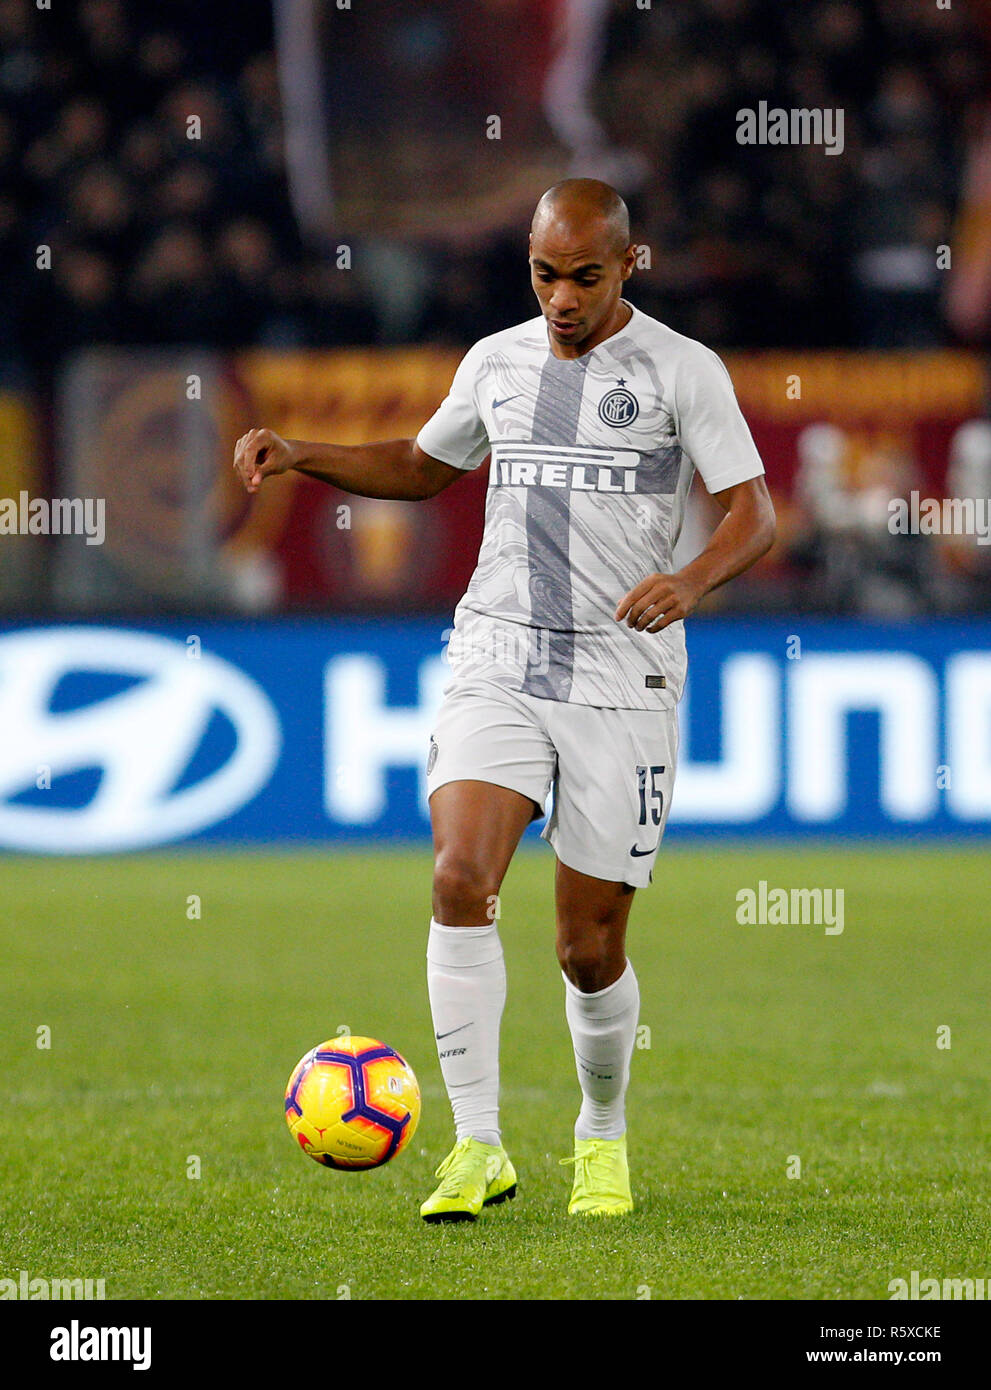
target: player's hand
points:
(261, 454)
(658, 600)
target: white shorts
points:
(611, 770)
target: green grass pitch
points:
(173, 1037)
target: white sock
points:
(466, 980)
(603, 1030)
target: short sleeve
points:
(710, 423)
(455, 433)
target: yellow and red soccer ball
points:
(352, 1103)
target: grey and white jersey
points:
(592, 459)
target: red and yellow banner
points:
(136, 432)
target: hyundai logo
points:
(137, 749)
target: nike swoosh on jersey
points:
(642, 853)
(497, 404)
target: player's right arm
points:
(395, 468)
(455, 440)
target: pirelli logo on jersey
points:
(580, 468)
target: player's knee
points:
(464, 891)
(589, 962)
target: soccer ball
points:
(352, 1103)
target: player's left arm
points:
(745, 533)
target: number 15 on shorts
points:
(651, 795)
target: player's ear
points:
(629, 260)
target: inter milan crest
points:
(619, 407)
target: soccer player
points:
(568, 655)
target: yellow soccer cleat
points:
(473, 1175)
(602, 1178)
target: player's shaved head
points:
(569, 207)
(580, 258)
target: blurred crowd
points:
(750, 245)
(160, 233)
(781, 245)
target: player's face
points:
(578, 279)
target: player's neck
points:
(616, 322)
